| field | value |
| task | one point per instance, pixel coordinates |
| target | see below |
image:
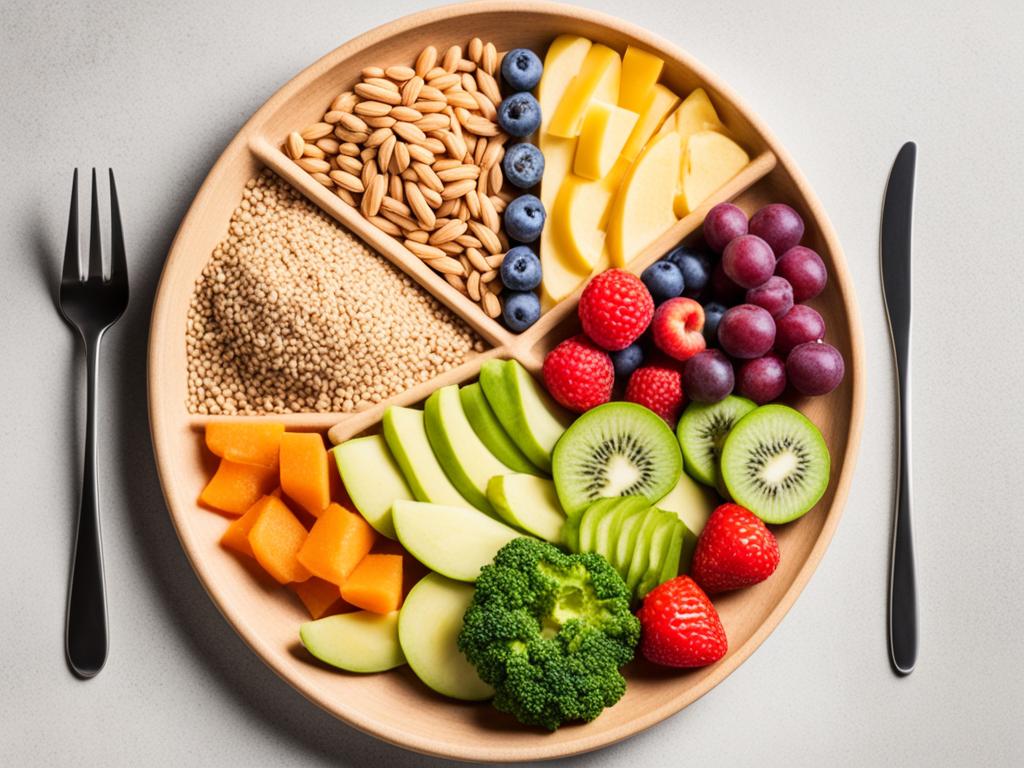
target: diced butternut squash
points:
(245, 442)
(376, 584)
(235, 487)
(276, 538)
(236, 536)
(305, 472)
(337, 542)
(317, 595)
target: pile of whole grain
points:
(292, 313)
(417, 149)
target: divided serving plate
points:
(395, 706)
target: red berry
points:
(615, 309)
(678, 327)
(679, 627)
(578, 374)
(659, 388)
(735, 550)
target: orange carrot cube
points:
(376, 584)
(276, 538)
(338, 540)
(236, 487)
(305, 476)
(245, 442)
(317, 595)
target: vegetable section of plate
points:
(505, 382)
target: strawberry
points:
(735, 550)
(578, 374)
(679, 627)
(658, 387)
(615, 309)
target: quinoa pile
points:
(292, 313)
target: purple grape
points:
(763, 379)
(815, 368)
(805, 271)
(779, 225)
(713, 312)
(723, 289)
(776, 295)
(708, 377)
(746, 331)
(748, 261)
(723, 223)
(801, 324)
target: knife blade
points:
(896, 237)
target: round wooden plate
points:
(395, 706)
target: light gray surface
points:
(157, 92)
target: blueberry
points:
(696, 269)
(519, 115)
(522, 308)
(520, 269)
(524, 218)
(663, 279)
(627, 360)
(713, 312)
(521, 69)
(523, 165)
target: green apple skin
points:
(641, 558)
(691, 501)
(372, 479)
(454, 541)
(463, 456)
(525, 410)
(428, 630)
(610, 526)
(590, 521)
(487, 427)
(406, 436)
(356, 642)
(529, 503)
(625, 543)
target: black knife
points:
(896, 240)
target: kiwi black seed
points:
(616, 449)
(775, 463)
(702, 431)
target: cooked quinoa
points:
(292, 313)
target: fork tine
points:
(118, 264)
(72, 272)
(95, 241)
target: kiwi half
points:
(775, 463)
(702, 431)
(616, 449)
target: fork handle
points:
(86, 626)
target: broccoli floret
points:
(549, 632)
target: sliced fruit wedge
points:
(406, 436)
(530, 503)
(372, 478)
(489, 430)
(357, 642)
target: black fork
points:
(91, 305)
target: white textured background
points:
(156, 90)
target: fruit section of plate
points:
(519, 539)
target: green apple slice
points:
(406, 436)
(661, 550)
(691, 501)
(356, 642)
(428, 630)
(590, 521)
(524, 409)
(454, 541)
(491, 433)
(641, 558)
(625, 540)
(463, 456)
(530, 503)
(611, 524)
(372, 479)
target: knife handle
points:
(902, 581)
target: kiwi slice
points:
(775, 463)
(616, 449)
(702, 430)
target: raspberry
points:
(578, 374)
(659, 388)
(615, 309)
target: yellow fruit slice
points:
(710, 160)
(561, 64)
(598, 78)
(695, 114)
(660, 102)
(605, 130)
(640, 71)
(643, 206)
